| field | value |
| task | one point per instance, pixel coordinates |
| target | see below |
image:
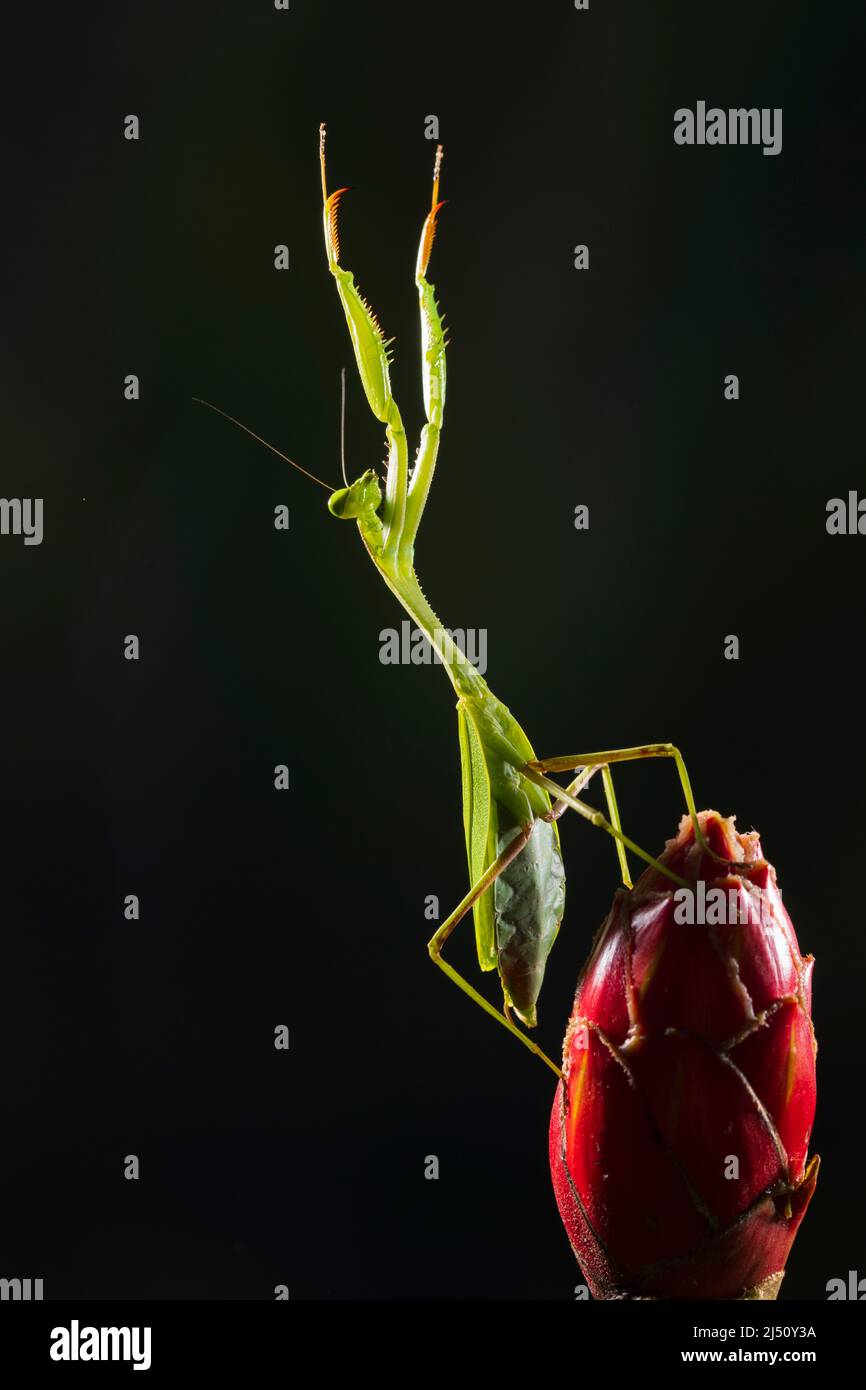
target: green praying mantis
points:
(511, 803)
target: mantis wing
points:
(480, 823)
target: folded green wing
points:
(480, 823)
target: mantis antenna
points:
(246, 429)
(343, 424)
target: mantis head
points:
(361, 499)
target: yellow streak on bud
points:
(792, 1061)
(576, 1089)
(652, 967)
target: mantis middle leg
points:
(436, 942)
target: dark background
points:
(259, 647)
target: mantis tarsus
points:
(511, 804)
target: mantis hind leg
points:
(537, 769)
(434, 946)
(627, 755)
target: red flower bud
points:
(679, 1138)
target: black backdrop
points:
(306, 908)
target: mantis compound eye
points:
(340, 503)
(360, 499)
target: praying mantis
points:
(511, 803)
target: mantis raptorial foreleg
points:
(433, 344)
